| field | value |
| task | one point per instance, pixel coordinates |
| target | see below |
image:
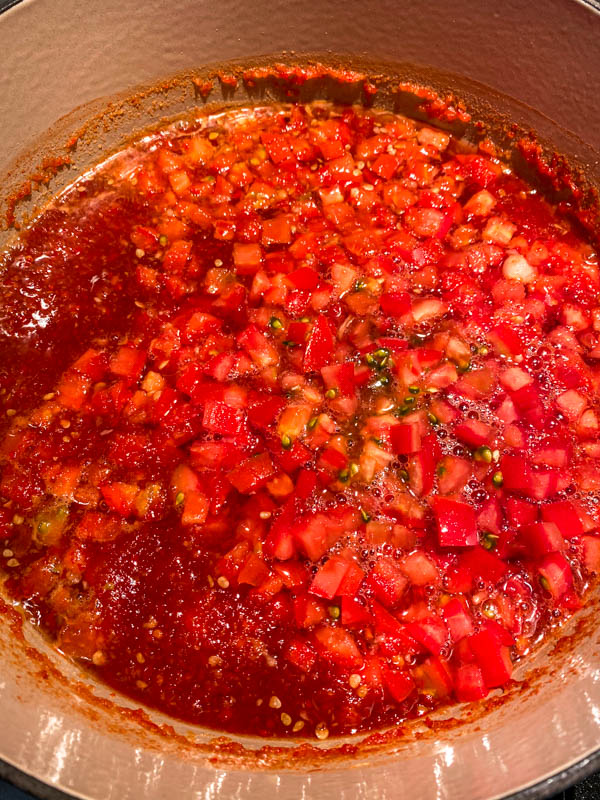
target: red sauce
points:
(301, 420)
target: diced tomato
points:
(327, 581)
(340, 378)
(435, 677)
(254, 571)
(195, 509)
(319, 350)
(308, 611)
(431, 633)
(493, 658)
(456, 523)
(297, 332)
(420, 569)
(339, 416)
(258, 347)
(469, 683)
(280, 540)
(453, 472)
(92, 364)
(72, 391)
(474, 433)
(276, 230)
(556, 574)
(301, 654)
(483, 564)
(305, 483)
(304, 278)
(128, 363)
(252, 474)
(339, 646)
(221, 418)
(315, 536)
(97, 527)
(564, 515)
(542, 537)
(421, 468)
(120, 497)
(387, 581)
(520, 512)
(399, 684)
(176, 257)
(506, 340)
(353, 611)
(591, 553)
(395, 304)
(351, 581)
(457, 619)
(406, 438)
(516, 473)
(264, 412)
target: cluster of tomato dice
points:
(343, 467)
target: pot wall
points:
(57, 56)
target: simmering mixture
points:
(301, 420)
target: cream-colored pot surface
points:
(58, 57)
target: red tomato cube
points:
(456, 523)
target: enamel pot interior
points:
(73, 67)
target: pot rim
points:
(540, 790)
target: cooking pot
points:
(79, 78)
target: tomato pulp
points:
(301, 420)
